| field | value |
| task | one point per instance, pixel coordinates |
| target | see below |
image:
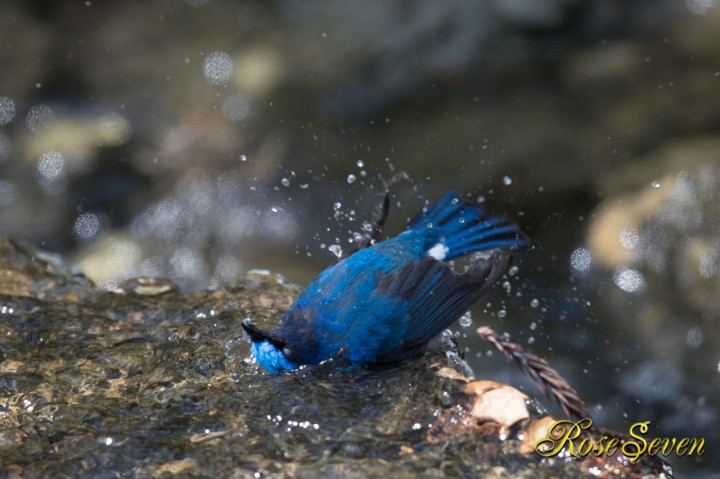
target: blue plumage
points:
(385, 302)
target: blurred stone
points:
(196, 141)
(612, 63)
(147, 286)
(258, 72)
(699, 35)
(111, 259)
(25, 272)
(655, 240)
(313, 85)
(618, 218)
(78, 138)
(668, 228)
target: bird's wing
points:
(435, 297)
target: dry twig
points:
(548, 380)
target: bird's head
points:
(271, 352)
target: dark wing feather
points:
(436, 297)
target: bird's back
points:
(349, 310)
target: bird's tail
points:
(456, 228)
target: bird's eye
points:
(288, 353)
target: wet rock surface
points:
(146, 381)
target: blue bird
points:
(384, 302)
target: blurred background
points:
(199, 139)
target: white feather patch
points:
(439, 251)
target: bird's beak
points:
(258, 335)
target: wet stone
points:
(147, 381)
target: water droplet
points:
(629, 238)
(507, 181)
(581, 260)
(695, 337)
(227, 268)
(351, 179)
(7, 110)
(708, 263)
(534, 303)
(8, 193)
(51, 166)
(187, 263)
(39, 117)
(336, 249)
(90, 225)
(218, 68)
(628, 279)
(5, 147)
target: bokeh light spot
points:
(218, 67)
